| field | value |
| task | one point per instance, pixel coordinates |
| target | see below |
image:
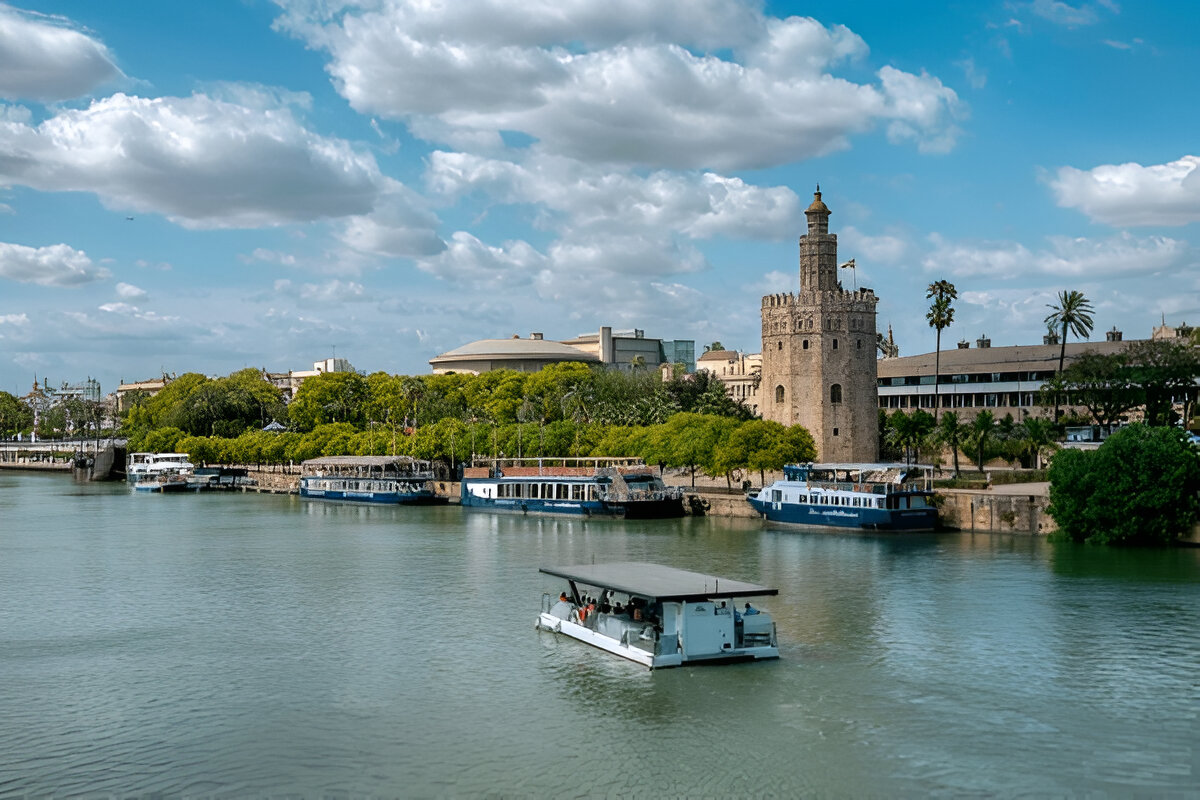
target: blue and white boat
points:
(368, 479)
(886, 497)
(592, 487)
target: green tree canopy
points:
(1141, 487)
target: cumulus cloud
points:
(399, 226)
(43, 58)
(681, 84)
(1076, 257)
(885, 248)
(127, 291)
(1131, 194)
(202, 161)
(55, 265)
(469, 260)
(1061, 13)
(700, 206)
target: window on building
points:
(859, 344)
(835, 431)
(779, 394)
(835, 344)
(805, 344)
(780, 346)
(835, 393)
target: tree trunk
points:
(937, 371)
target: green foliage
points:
(331, 397)
(1138, 488)
(15, 416)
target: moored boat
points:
(660, 616)
(166, 484)
(862, 496)
(606, 487)
(368, 479)
(143, 466)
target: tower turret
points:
(818, 250)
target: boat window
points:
(591, 491)
(576, 491)
(562, 491)
(548, 491)
(776, 496)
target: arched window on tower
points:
(779, 394)
(835, 393)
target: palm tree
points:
(951, 433)
(981, 432)
(1073, 313)
(940, 315)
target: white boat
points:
(660, 616)
(143, 466)
(882, 497)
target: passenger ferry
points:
(607, 487)
(368, 479)
(864, 496)
(148, 466)
(660, 616)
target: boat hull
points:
(640, 509)
(374, 498)
(880, 519)
(549, 622)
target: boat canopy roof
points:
(361, 461)
(658, 582)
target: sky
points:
(203, 187)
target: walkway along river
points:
(223, 644)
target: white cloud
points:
(701, 206)
(55, 265)
(1131, 194)
(332, 292)
(128, 291)
(1065, 14)
(204, 162)
(468, 260)
(886, 248)
(1078, 257)
(653, 84)
(399, 226)
(43, 58)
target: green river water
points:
(230, 645)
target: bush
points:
(1138, 488)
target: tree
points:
(328, 398)
(1103, 384)
(1141, 487)
(951, 433)
(940, 316)
(909, 431)
(1073, 313)
(981, 433)
(1166, 372)
(15, 416)
(708, 348)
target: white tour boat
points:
(151, 466)
(660, 616)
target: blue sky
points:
(208, 186)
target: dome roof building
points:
(521, 355)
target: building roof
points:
(818, 206)
(719, 355)
(485, 349)
(657, 582)
(361, 461)
(1015, 358)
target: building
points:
(1003, 380)
(289, 382)
(818, 352)
(625, 350)
(147, 388)
(521, 355)
(740, 372)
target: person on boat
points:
(750, 610)
(562, 597)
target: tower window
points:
(779, 394)
(835, 344)
(835, 393)
(780, 346)
(806, 344)
(860, 344)
(835, 431)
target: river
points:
(226, 645)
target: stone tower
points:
(818, 353)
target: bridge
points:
(59, 454)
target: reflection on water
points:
(239, 644)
